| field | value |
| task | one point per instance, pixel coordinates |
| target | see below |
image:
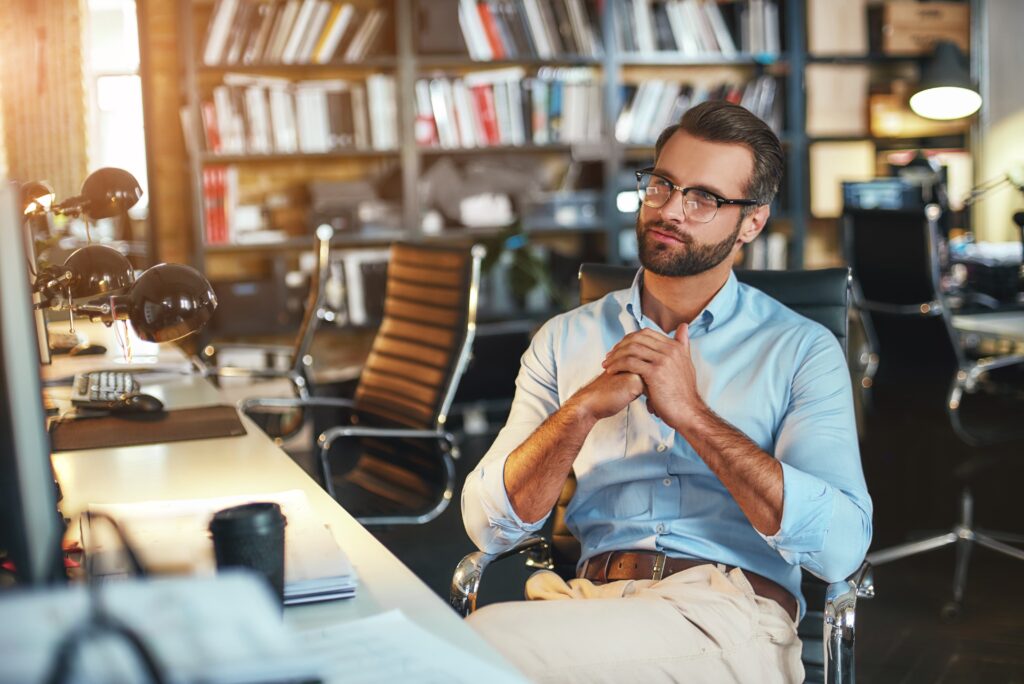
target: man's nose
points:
(672, 210)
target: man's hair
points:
(718, 121)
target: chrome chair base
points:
(965, 536)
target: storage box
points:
(912, 28)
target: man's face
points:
(670, 244)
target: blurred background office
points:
(251, 123)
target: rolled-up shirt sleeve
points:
(826, 514)
(487, 513)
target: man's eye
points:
(701, 197)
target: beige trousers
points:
(699, 625)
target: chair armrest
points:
(966, 380)
(470, 570)
(281, 349)
(839, 629)
(245, 405)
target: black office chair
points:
(920, 364)
(827, 633)
(296, 356)
(390, 461)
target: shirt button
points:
(662, 447)
(667, 482)
(660, 529)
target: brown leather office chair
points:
(827, 633)
(390, 461)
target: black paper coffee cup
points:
(251, 536)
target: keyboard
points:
(104, 389)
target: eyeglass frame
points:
(682, 192)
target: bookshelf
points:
(422, 44)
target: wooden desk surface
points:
(249, 465)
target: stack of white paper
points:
(172, 537)
(219, 630)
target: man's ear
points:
(755, 223)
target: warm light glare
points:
(945, 103)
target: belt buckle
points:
(659, 567)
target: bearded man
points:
(711, 431)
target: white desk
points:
(249, 465)
(1006, 325)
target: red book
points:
(209, 219)
(491, 29)
(209, 114)
(483, 100)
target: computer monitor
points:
(30, 527)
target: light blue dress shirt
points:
(778, 377)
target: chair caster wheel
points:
(952, 611)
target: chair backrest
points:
(821, 295)
(894, 258)
(422, 346)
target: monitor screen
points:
(30, 527)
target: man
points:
(711, 431)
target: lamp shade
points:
(36, 197)
(946, 91)
(98, 270)
(167, 302)
(108, 192)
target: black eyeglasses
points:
(698, 205)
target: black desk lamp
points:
(946, 91)
(165, 303)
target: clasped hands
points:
(649, 363)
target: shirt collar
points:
(718, 310)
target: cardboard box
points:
(912, 28)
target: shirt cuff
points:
(506, 527)
(807, 506)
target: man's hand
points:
(608, 393)
(666, 369)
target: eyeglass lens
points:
(655, 193)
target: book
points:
(338, 26)
(218, 31)
(172, 537)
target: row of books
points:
(654, 104)
(263, 115)
(698, 27)
(505, 107)
(290, 32)
(518, 29)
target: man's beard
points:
(691, 259)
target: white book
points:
(313, 31)
(470, 128)
(517, 127)
(259, 120)
(539, 100)
(447, 134)
(298, 32)
(682, 32)
(473, 31)
(537, 31)
(377, 102)
(282, 30)
(228, 122)
(725, 42)
(360, 117)
(501, 109)
(504, 75)
(367, 31)
(663, 110)
(220, 29)
(643, 19)
(282, 118)
(335, 32)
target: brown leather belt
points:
(611, 566)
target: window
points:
(116, 130)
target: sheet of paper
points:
(388, 648)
